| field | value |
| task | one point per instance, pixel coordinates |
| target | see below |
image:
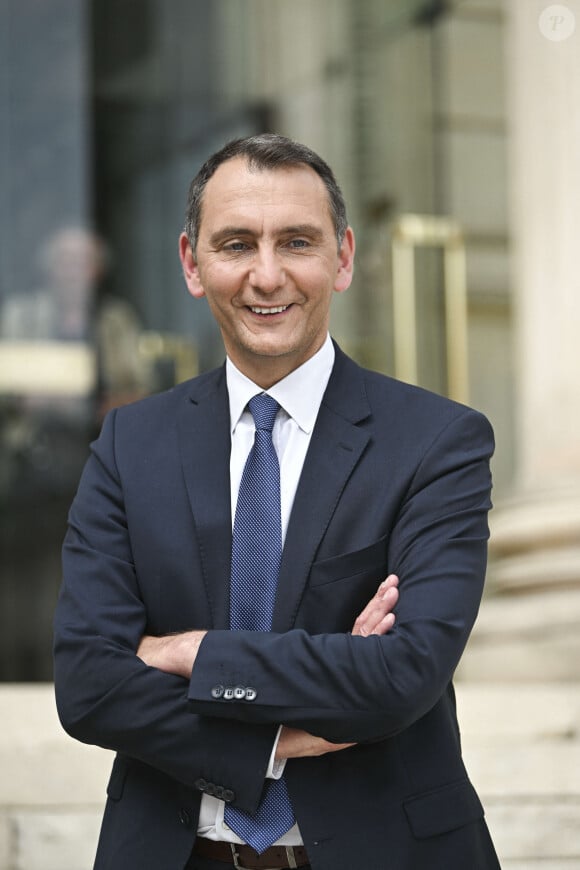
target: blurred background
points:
(453, 127)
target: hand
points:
(378, 617)
(172, 653)
(295, 743)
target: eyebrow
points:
(228, 232)
(303, 230)
(293, 230)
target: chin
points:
(271, 349)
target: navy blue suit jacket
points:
(395, 480)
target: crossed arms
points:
(129, 578)
(176, 654)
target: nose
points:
(267, 272)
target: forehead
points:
(238, 189)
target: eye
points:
(297, 244)
(236, 247)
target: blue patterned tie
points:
(256, 554)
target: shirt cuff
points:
(275, 768)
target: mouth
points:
(268, 311)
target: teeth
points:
(276, 310)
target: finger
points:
(374, 624)
(390, 597)
(382, 603)
(390, 582)
(377, 614)
(385, 625)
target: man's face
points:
(268, 263)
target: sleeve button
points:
(217, 692)
(228, 795)
(251, 694)
(239, 693)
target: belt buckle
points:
(289, 856)
(235, 857)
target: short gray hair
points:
(265, 151)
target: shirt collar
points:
(299, 393)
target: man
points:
(237, 711)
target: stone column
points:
(545, 178)
(535, 544)
(522, 666)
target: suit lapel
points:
(204, 437)
(337, 445)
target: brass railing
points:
(413, 231)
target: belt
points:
(242, 856)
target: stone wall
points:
(51, 788)
(522, 749)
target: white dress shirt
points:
(299, 395)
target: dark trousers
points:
(196, 863)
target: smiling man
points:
(268, 260)
(271, 571)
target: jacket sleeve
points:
(105, 694)
(357, 689)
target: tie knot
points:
(264, 409)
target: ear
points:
(345, 262)
(190, 268)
